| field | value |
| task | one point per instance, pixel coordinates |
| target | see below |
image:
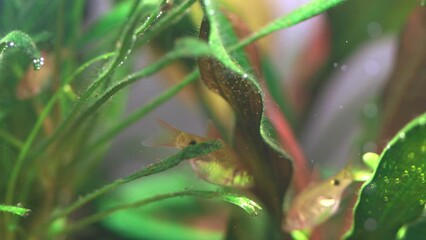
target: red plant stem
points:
(289, 143)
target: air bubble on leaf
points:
(386, 179)
(386, 199)
(419, 170)
(423, 148)
(405, 174)
(38, 63)
(402, 135)
(11, 44)
(370, 224)
(397, 180)
(422, 202)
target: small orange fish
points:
(220, 167)
(317, 202)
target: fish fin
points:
(164, 137)
(212, 131)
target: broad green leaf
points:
(231, 77)
(396, 194)
(23, 42)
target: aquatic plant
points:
(65, 84)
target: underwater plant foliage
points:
(82, 82)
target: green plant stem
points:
(38, 125)
(187, 153)
(12, 140)
(124, 45)
(137, 115)
(195, 193)
(306, 11)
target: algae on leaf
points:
(230, 76)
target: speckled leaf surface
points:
(230, 75)
(396, 194)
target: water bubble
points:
(370, 110)
(335, 65)
(370, 224)
(10, 44)
(374, 29)
(372, 186)
(413, 168)
(402, 135)
(388, 146)
(397, 180)
(38, 63)
(423, 148)
(386, 199)
(422, 202)
(343, 68)
(411, 155)
(405, 174)
(419, 169)
(386, 179)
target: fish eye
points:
(192, 142)
(335, 182)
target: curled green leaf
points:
(229, 74)
(22, 41)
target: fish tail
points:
(165, 137)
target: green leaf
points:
(306, 11)
(18, 210)
(23, 42)
(250, 206)
(230, 76)
(187, 153)
(396, 194)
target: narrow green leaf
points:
(187, 153)
(306, 11)
(396, 194)
(20, 211)
(248, 205)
